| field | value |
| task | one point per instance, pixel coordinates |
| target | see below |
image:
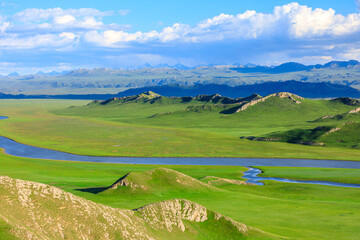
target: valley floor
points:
(109, 133)
(292, 211)
(295, 211)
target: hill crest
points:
(293, 97)
(151, 97)
(155, 179)
(39, 211)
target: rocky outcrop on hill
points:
(170, 214)
(39, 211)
(356, 110)
(347, 101)
(126, 182)
(339, 116)
(217, 99)
(292, 97)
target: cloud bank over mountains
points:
(67, 38)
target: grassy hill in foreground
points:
(162, 181)
(297, 211)
(153, 181)
(33, 210)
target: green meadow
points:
(158, 126)
(168, 127)
(294, 211)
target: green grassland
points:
(151, 125)
(176, 127)
(322, 174)
(295, 211)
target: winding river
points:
(252, 176)
(14, 148)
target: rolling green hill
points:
(334, 130)
(32, 210)
(203, 126)
(281, 117)
(153, 181)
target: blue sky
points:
(59, 35)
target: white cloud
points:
(111, 38)
(68, 35)
(49, 41)
(124, 12)
(57, 20)
(65, 19)
(4, 26)
(290, 32)
(36, 15)
(291, 21)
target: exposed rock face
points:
(170, 214)
(143, 96)
(333, 130)
(290, 96)
(340, 116)
(356, 110)
(327, 117)
(124, 181)
(217, 99)
(40, 211)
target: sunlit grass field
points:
(127, 130)
(296, 211)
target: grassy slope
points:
(34, 207)
(126, 130)
(299, 211)
(272, 115)
(323, 174)
(5, 231)
(347, 136)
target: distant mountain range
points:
(106, 80)
(305, 89)
(248, 68)
(295, 67)
(52, 73)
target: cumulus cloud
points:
(290, 32)
(37, 41)
(57, 20)
(292, 21)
